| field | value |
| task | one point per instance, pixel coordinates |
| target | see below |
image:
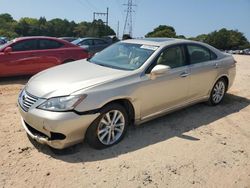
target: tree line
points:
(222, 39)
(56, 27)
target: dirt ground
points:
(199, 146)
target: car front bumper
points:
(56, 129)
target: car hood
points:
(68, 78)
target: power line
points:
(128, 26)
(95, 14)
(83, 5)
(92, 5)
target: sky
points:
(188, 17)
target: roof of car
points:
(85, 38)
(36, 37)
(157, 41)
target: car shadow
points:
(14, 80)
(161, 129)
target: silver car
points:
(128, 83)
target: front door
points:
(21, 60)
(168, 90)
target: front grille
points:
(26, 100)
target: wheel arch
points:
(128, 106)
(225, 77)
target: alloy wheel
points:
(111, 127)
(218, 92)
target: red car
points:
(29, 55)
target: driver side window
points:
(86, 42)
(172, 57)
(25, 45)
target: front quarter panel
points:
(99, 96)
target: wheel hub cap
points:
(111, 127)
(218, 92)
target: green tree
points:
(95, 29)
(224, 39)
(162, 31)
(56, 27)
(81, 29)
(7, 25)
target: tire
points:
(218, 92)
(107, 129)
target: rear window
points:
(49, 44)
(86, 42)
(98, 42)
(200, 54)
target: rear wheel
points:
(218, 92)
(109, 128)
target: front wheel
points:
(109, 128)
(218, 92)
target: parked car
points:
(246, 51)
(128, 83)
(111, 38)
(3, 40)
(30, 55)
(69, 39)
(93, 45)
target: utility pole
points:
(128, 26)
(95, 14)
(118, 29)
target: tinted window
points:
(172, 57)
(213, 55)
(199, 54)
(25, 45)
(49, 44)
(86, 42)
(99, 42)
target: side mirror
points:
(159, 70)
(7, 50)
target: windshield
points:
(4, 45)
(125, 56)
(76, 41)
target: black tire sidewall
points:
(211, 101)
(91, 134)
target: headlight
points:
(62, 103)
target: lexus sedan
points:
(128, 83)
(30, 55)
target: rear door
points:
(88, 44)
(203, 70)
(50, 53)
(22, 60)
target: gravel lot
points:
(199, 146)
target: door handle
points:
(184, 74)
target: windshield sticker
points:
(148, 47)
